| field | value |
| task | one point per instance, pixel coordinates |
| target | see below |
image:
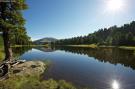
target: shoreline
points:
(101, 46)
(82, 46)
(30, 46)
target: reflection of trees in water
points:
(18, 51)
(111, 55)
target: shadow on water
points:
(111, 55)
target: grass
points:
(103, 46)
(91, 46)
(127, 47)
(1, 49)
(83, 46)
(1, 53)
(29, 45)
(33, 82)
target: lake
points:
(99, 68)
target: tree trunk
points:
(6, 33)
(7, 46)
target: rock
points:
(29, 68)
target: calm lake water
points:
(101, 68)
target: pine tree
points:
(11, 18)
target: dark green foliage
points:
(124, 35)
(20, 37)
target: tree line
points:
(18, 37)
(117, 36)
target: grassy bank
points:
(1, 53)
(29, 45)
(33, 82)
(127, 47)
(1, 49)
(90, 46)
(103, 46)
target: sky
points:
(69, 18)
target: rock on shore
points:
(29, 68)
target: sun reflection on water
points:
(115, 84)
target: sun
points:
(115, 5)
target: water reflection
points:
(18, 51)
(45, 49)
(115, 85)
(88, 69)
(111, 55)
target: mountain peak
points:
(45, 40)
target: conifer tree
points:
(11, 19)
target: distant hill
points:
(45, 40)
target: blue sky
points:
(69, 18)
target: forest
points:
(113, 36)
(19, 37)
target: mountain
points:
(45, 40)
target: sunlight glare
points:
(115, 85)
(115, 5)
